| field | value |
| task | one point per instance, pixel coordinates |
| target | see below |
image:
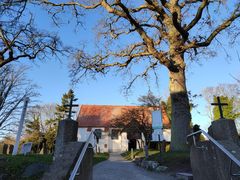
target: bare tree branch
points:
(20, 39)
(198, 15)
(14, 87)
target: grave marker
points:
(219, 104)
(71, 105)
(26, 148)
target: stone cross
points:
(70, 105)
(219, 104)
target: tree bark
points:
(181, 116)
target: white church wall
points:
(124, 142)
(105, 143)
(102, 145)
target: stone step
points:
(184, 176)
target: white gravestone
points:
(157, 126)
(26, 148)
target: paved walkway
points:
(116, 168)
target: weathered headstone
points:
(67, 151)
(26, 148)
(5, 148)
(67, 132)
(207, 160)
(224, 129)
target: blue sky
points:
(52, 76)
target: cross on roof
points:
(70, 105)
(219, 104)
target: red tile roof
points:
(101, 115)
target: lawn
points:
(175, 161)
(138, 153)
(15, 165)
(99, 157)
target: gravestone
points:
(5, 149)
(26, 148)
(67, 151)
(67, 132)
(224, 129)
(208, 161)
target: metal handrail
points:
(221, 147)
(80, 158)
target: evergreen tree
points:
(50, 134)
(228, 111)
(52, 123)
(61, 109)
(34, 133)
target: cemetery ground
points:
(13, 167)
(174, 161)
(117, 168)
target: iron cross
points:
(70, 107)
(219, 104)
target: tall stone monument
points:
(67, 132)
(208, 162)
(67, 151)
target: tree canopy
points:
(150, 33)
(20, 38)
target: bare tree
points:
(44, 112)
(162, 32)
(14, 87)
(42, 120)
(150, 100)
(19, 39)
(135, 121)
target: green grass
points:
(15, 165)
(99, 157)
(173, 160)
(140, 153)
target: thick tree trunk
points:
(181, 117)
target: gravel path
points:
(116, 168)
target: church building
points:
(112, 139)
